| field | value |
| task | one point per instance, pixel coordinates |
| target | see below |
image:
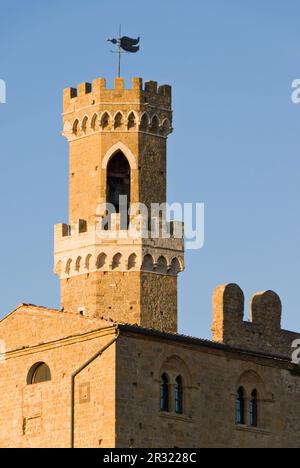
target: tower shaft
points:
(118, 147)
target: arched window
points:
(131, 121)
(101, 260)
(155, 124)
(85, 125)
(164, 393)
(166, 128)
(118, 185)
(240, 406)
(39, 373)
(148, 263)
(78, 264)
(68, 266)
(105, 121)
(144, 123)
(76, 127)
(132, 261)
(178, 395)
(88, 261)
(116, 263)
(175, 267)
(95, 122)
(118, 120)
(253, 409)
(162, 265)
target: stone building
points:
(109, 369)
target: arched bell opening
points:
(118, 187)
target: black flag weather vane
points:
(125, 44)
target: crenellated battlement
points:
(262, 333)
(83, 248)
(89, 94)
(93, 108)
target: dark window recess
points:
(39, 373)
(118, 185)
(253, 409)
(164, 393)
(179, 396)
(240, 406)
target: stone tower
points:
(119, 269)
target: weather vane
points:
(125, 44)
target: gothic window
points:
(164, 393)
(105, 121)
(166, 128)
(155, 125)
(101, 259)
(162, 265)
(178, 395)
(88, 262)
(78, 264)
(118, 120)
(68, 266)
(39, 373)
(175, 267)
(240, 406)
(95, 122)
(131, 121)
(148, 263)
(116, 263)
(118, 184)
(144, 123)
(132, 261)
(253, 409)
(76, 127)
(85, 125)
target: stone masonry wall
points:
(145, 299)
(153, 168)
(211, 379)
(33, 416)
(159, 302)
(114, 295)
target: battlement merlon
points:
(147, 95)
(262, 333)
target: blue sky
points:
(236, 144)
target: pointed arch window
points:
(178, 395)
(155, 124)
(253, 409)
(144, 123)
(240, 406)
(76, 127)
(131, 121)
(105, 121)
(164, 393)
(118, 120)
(118, 186)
